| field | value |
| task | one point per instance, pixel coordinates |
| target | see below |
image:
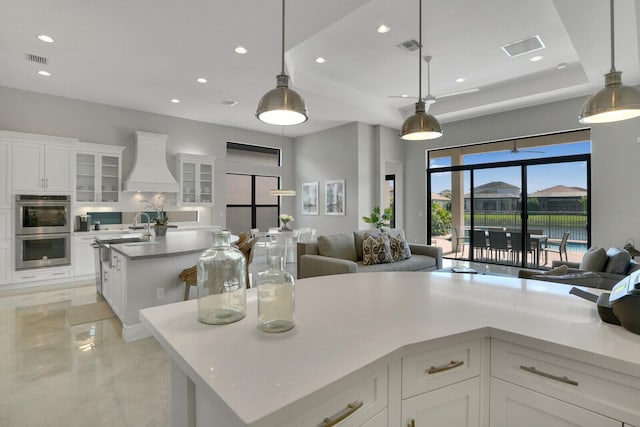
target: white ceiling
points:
(140, 54)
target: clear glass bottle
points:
(276, 298)
(222, 292)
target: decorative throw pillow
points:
(399, 233)
(398, 249)
(594, 259)
(618, 261)
(376, 250)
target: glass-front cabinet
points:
(195, 173)
(98, 173)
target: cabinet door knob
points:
(412, 423)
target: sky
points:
(572, 174)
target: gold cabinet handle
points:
(533, 370)
(412, 423)
(446, 367)
(349, 410)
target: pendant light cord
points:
(282, 63)
(613, 54)
(420, 51)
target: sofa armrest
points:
(317, 265)
(556, 263)
(304, 248)
(428, 250)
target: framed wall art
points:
(310, 198)
(334, 197)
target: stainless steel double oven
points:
(43, 231)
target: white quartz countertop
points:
(172, 244)
(346, 322)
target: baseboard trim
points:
(134, 332)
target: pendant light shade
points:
(282, 106)
(421, 125)
(615, 101)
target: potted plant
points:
(379, 219)
(160, 224)
(285, 219)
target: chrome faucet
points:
(147, 232)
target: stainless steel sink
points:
(114, 240)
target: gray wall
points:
(328, 155)
(30, 112)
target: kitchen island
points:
(383, 349)
(145, 274)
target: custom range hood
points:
(150, 172)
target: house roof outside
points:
(560, 191)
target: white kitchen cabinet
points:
(6, 246)
(5, 175)
(43, 168)
(117, 275)
(195, 174)
(98, 173)
(457, 405)
(83, 256)
(512, 405)
(593, 387)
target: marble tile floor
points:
(54, 375)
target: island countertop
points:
(346, 322)
(172, 244)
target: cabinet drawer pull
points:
(59, 274)
(446, 367)
(350, 409)
(533, 370)
(28, 277)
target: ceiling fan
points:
(515, 150)
(430, 99)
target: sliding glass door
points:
(522, 212)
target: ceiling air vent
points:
(35, 58)
(523, 46)
(409, 46)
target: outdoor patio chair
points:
(516, 247)
(459, 239)
(480, 242)
(561, 249)
(498, 244)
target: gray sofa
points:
(342, 253)
(598, 269)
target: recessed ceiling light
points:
(229, 102)
(562, 66)
(404, 95)
(536, 58)
(175, 101)
(201, 80)
(44, 73)
(383, 29)
(45, 38)
(241, 50)
(320, 60)
(461, 80)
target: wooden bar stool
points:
(190, 278)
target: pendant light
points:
(421, 125)
(282, 106)
(615, 101)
